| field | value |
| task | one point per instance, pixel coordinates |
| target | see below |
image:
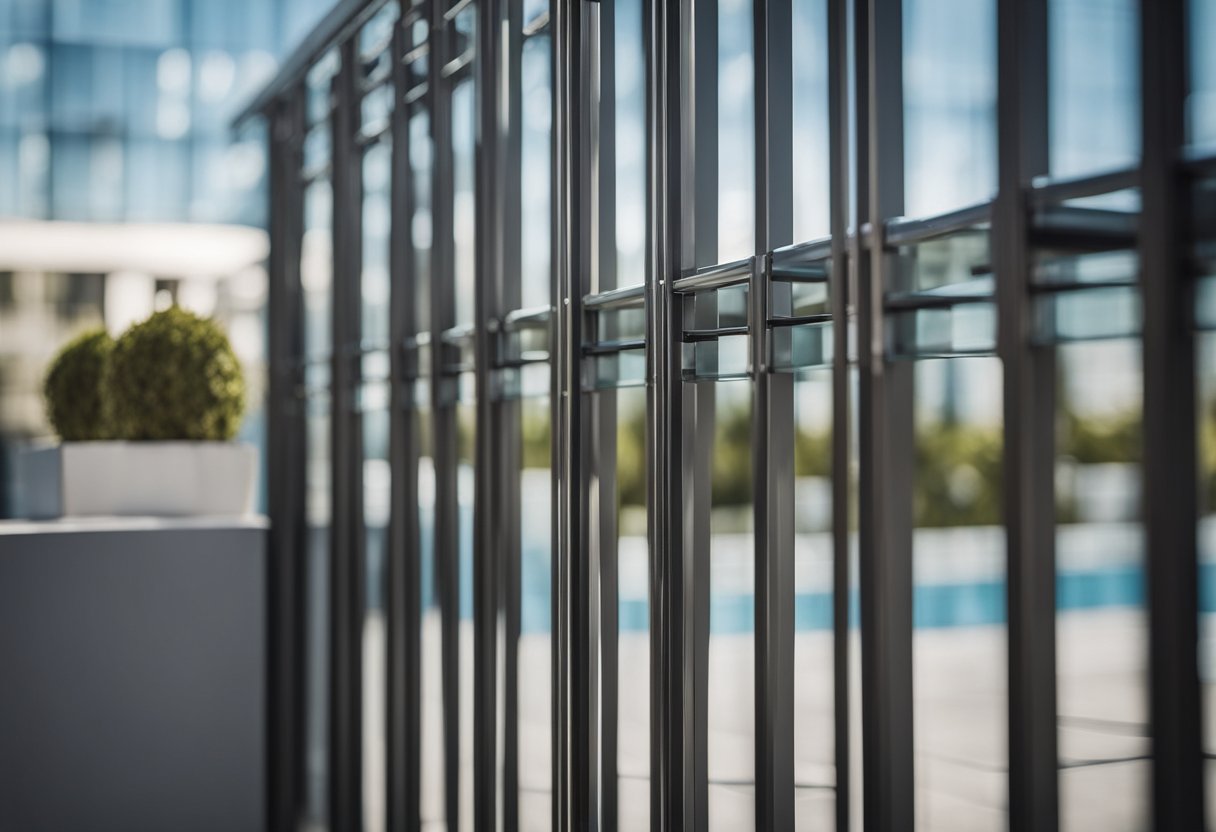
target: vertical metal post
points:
(508, 22)
(1029, 415)
(603, 496)
(443, 406)
(838, 286)
(345, 573)
(773, 423)
(404, 573)
(574, 36)
(488, 259)
(1170, 453)
(664, 413)
(886, 436)
(285, 447)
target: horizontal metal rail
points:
(696, 336)
(721, 276)
(614, 347)
(902, 231)
(800, 320)
(621, 298)
(1051, 191)
(535, 317)
(536, 25)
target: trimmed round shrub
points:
(73, 388)
(175, 376)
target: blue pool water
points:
(934, 605)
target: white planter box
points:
(164, 479)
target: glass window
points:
(810, 118)
(1201, 105)
(377, 211)
(814, 606)
(958, 598)
(736, 131)
(1101, 613)
(1206, 367)
(466, 438)
(535, 649)
(464, 198)
(632, 613)
(316, 269)
(1094, 75)
(732, 613)
(949, 104)
(630, 142)
(535, 188)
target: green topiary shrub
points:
(73, 388)
(175, 376)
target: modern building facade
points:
(743, 415)
(123, 187)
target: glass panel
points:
(620, 369)
(1206, 367)
(318, 82)
(377, 493)
(1097, 313)
(949, 104)
(377, 213)
(1201, 106)
(964, 329)
(421, 176)
(375, 33)
(318, 502)
(316, 269)
(731, 743)
(466, 433)
(536, 626)
(1101, 616)
(958, 598)
(1094, 85)
(629, 176)
(464, 198)
(809, 108)
(376, 109)
(958, 264)
(432, 709)
(814, 633)
(633, 615)
(736, 132)
(803, 346)
(535, 199)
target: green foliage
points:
(958, 475)
(75, 402)
(175, 376)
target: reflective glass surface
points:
(536, 606)
(377, 497)
(630, 142)
(535, 189)
(1206, 440)
(809, 108)
(736, 131)
(731, 739)
(464, 198)
(1094, 85)
(466, 434)
(958, 598)
(633, 615)
(814, 632)
(375, 287)
(949, 104)
(1101, 613)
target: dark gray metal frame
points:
(866, 164)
